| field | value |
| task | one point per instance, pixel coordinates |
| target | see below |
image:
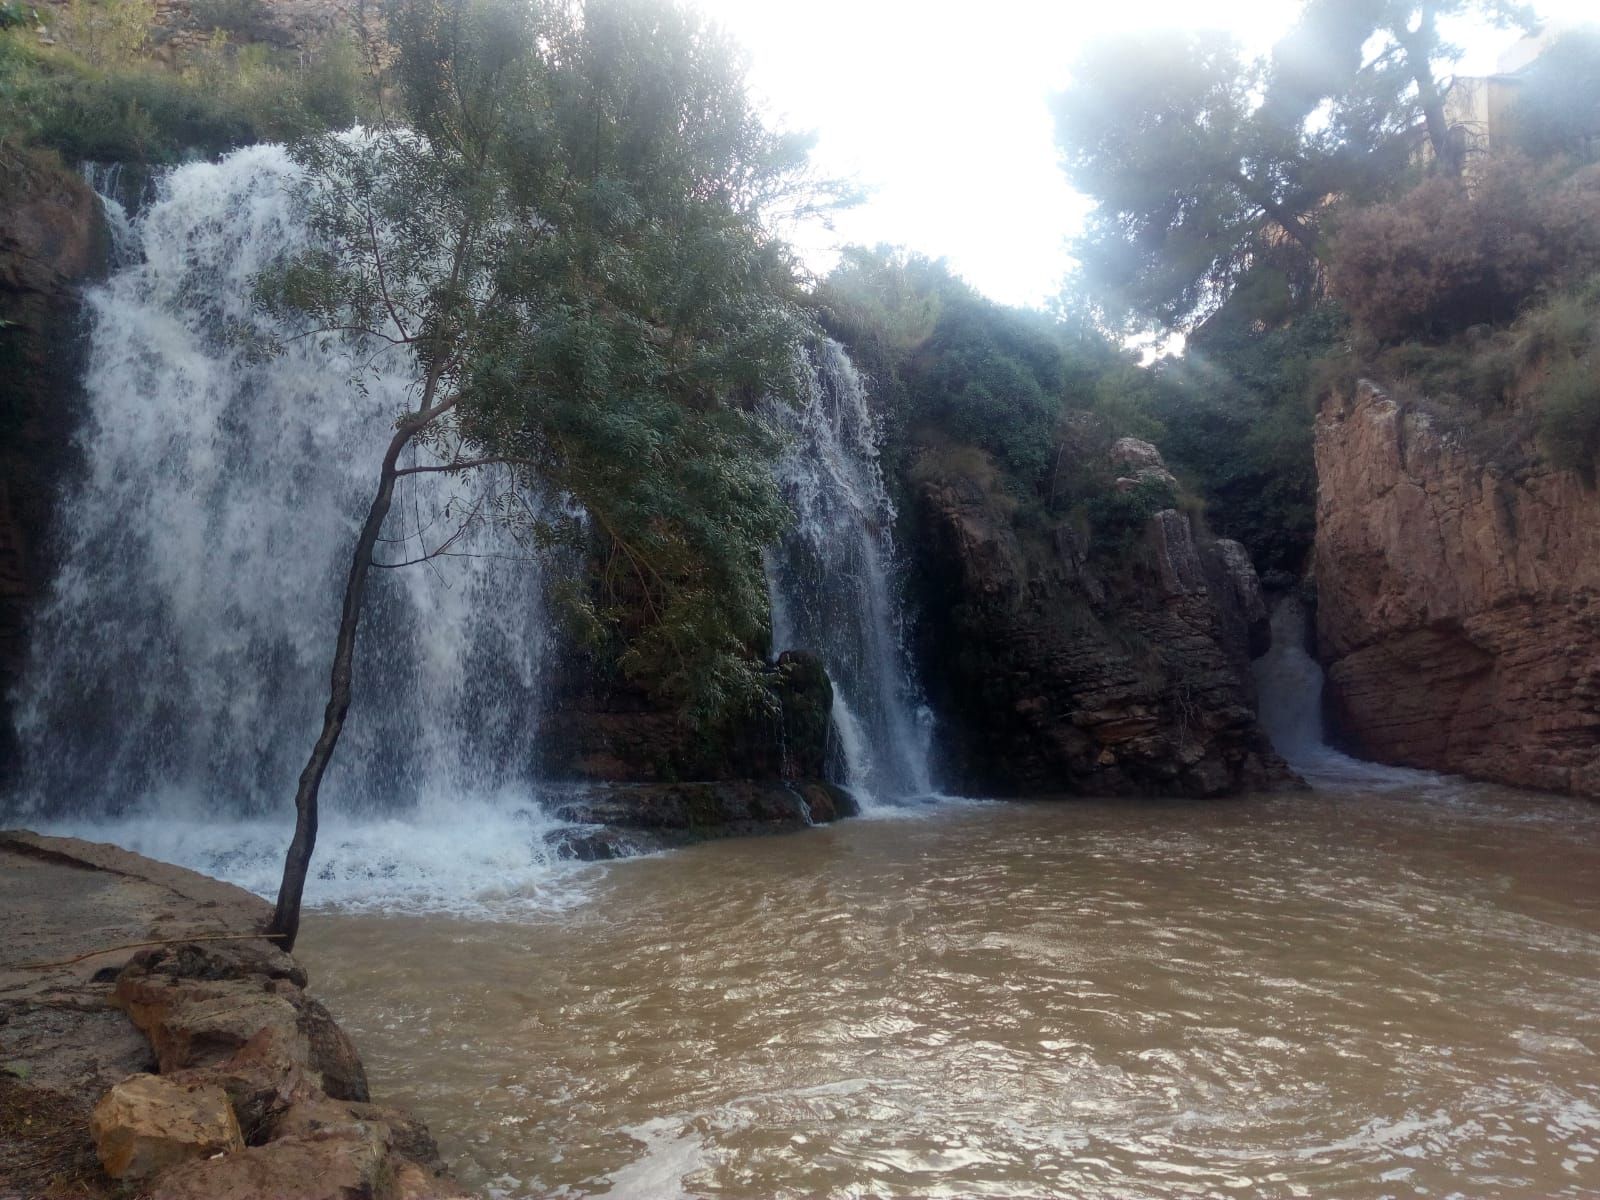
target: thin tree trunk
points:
(286, 916)
(1419, 45)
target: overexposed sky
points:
(940, 109)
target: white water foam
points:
(485, 858)
(180, 661)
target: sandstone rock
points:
(146, 1124)
(193, 1023)
(1145, 461)
(606, 729)
(1136, 453)
(263, 1079)
(674, 814)
(1458, 602)
(411, 1182)
(347, 1164)
(1171, 540)
(323, 1117)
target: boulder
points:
(146, 1124)
(203, 1008)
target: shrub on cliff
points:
(1451, 254)
(95, 99)
(1569, 417)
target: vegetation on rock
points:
(563, 229)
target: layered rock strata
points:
(635, 766)
(1458, 607)
(196, 1067)
(1058, 670)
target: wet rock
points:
(346, 1164)
(333, 1054)
(606, 729)
(146, 1124)
(239, 1006)
(1059, 671)
(262, 1080)
(1458, 610)
(52, 241)
(322, 1117)
(692, 811)
(226, 1020)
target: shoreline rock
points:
(194, 1068)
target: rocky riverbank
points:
(150, 1045)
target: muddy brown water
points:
(1345, 994)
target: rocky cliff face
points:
(1055, 671)
(52, 239)
(1459, 601)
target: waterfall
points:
(1289, 686)
(179, 666)
(1289, 681)
(835, 581)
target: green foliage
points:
(959, 367)
(16, 15)
(1236, 412)
(105, 33)
(1117, 515)
(564, 228)
(1569, 415)
(1195, 186)
(1212, 173)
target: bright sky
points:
(940, 109)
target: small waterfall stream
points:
(1289, 686)
(180, 663)
(835, 582)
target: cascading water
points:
(834, 581)
(1289, 687)
(180, 665)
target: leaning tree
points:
(561, 229)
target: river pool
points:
(1375, 989)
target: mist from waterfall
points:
(836, 585)
(179, 665)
